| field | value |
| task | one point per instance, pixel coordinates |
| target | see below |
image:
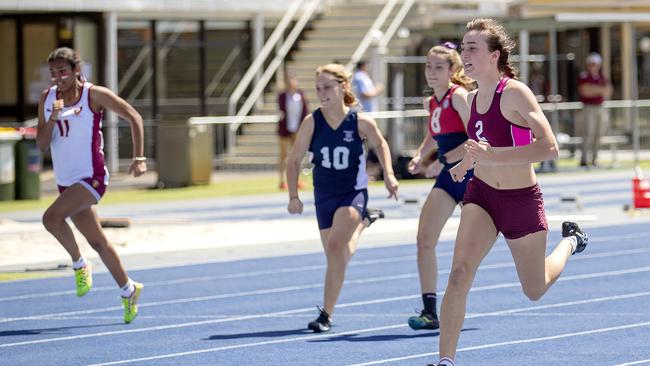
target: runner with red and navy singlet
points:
(448, 110)
(69, 123)
(503, 195)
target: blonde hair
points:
(497, 40)
(342, 76)
(450, 55)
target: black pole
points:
(154, 68)
(20, 69)
(203, 67)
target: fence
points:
(405, 129)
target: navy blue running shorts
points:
(455, 189)
(327, 204)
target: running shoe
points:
(84, 279)
(372, 214)
(322, 324)
(448, 362)
(572, 229)
(131, 303)
(425, 320)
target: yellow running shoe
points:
(84, 278)
(131, 303)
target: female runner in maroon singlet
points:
(508, 132)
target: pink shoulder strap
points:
(502, 84)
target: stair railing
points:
(258, 63)
(268, 73)
(367, 39)
(396, 22)
(221, 72)
(146, 77)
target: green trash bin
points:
(184, 155)
(8, 138)
(28, 166)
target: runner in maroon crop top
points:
(492, 127)
(503, 196)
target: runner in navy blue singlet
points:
(334, 134)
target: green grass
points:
(230, 188)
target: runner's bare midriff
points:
(511, 176)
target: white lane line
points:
(368, 330)
(236, 294)
(302, 310)
(509, 343)
(640, 362)
(355, 263)
(571, 217)
(288, 316)
(225, 276)
(298, 288)
(277, 341)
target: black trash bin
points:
(28, 166)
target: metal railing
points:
(395, 23)
(141, 58)
(414, 122)
(271, 68)
(374, 28)
(221, 72)
(266, 50)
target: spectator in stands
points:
(593, 88)
(365, 89)
(293, 107)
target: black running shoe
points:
(572, 229)
(322, 324)
(372, 214)
(439, 364)
(425, 320)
